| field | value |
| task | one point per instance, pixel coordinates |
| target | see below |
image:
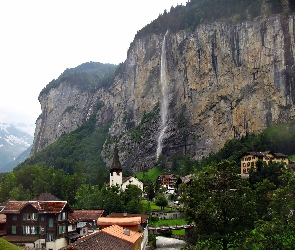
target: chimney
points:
(126, 231)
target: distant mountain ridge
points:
(14, 140)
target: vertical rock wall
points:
(225, 80)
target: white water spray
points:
(164, 104)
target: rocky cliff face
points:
(224, 81)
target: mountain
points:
(186, 90)
(14, 140)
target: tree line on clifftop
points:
(198, 12)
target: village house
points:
(83, 222)
(249, 159)
(130, 225)
(185, 179)
(37, 224)
(167, 180)
(112, 237)
(142, 228)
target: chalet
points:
(82, 222)
(116, 175)
(131, 223)
(113, 237)
(249, 159)
(185, 179)
(167, 180)
(37, 224)
(142, 228)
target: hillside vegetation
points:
(87, 76)
(197, 12)
(81, 147)
(5, 245)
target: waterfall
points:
(164, 104)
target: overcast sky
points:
(40, 39)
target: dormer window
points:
(63, 216)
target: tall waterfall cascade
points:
(164, 103)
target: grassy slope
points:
(151, 174)
(7, 245)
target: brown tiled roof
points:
(85, 215)
(99, 240)
(20, 239)
(14, 207)
(124, 234)
(144, 217)
(41, 206)
(124, 179)
(108, 221)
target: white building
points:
(116, 175)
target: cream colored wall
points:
(116, 178)
(250, 161)
(247, 162)
(57, 244)
(132, 181)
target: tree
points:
(150, 191)
(111, 199)
(221, 205)
(161, 201)
(161, 162)
(131, 199)
(275, 230)
(271, 171)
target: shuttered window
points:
(50, 222)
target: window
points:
(30, 230)
(63, 216)
(42, 218)
(50, 237)
(14, 217)
(30, 216)
(61, 229)
(50, 222)
(13, 229)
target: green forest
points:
(88, 76)
(198, 12)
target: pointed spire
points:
(116, 162)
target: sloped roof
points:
(85, 215)
(100, 240)
(129, 221)
(264, 153)
(20, 239)
(119, 232)
(144, 217)
(46, 197)
(187, 178)
(13, 207)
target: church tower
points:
(116, 170)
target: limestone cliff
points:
(224, 81)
